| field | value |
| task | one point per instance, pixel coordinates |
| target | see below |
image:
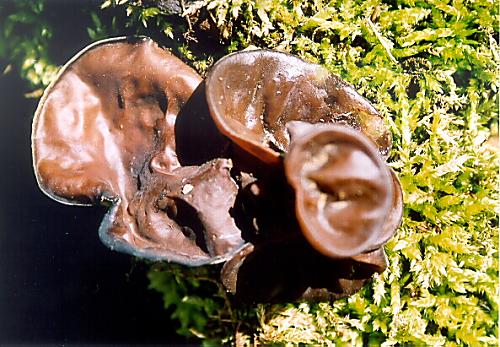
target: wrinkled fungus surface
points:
(272, 165)
(343, 188)
(104, 132)
(252, 95)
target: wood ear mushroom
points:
(252, 95)
(272, 166)
(104, 132)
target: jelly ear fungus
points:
(104, 133)
(300, 124)
(253, 94)
(343, 188)
(272, 166)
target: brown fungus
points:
(253, 94)
(301, 215)
(272, 105)
(348, 203)
(344, 190)
(104, 132)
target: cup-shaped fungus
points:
(344, 190)
(104, 132)
(253, 94)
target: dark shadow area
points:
(58, 283)
(291, 270)
(197, 138)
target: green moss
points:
(24, 37)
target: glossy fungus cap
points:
(344, 190)
(253, 94)
(104, 132)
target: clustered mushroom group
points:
(271, 166)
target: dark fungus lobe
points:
(253, 94)
(290, 269)
(347, 205)
(104, 132)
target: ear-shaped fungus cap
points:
(104, 132)
(345, 198)
(253, 94)
(348, 203)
